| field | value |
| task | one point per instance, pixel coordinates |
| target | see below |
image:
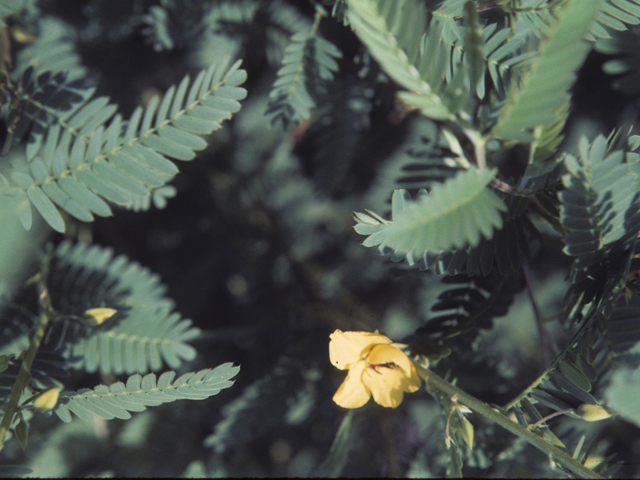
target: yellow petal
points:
(389, 374)
(47, 399)
(347, 348)
(384, 384)
(97, 316)
(411, 383)
(352, 393)
(381, 354)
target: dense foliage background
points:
(258, 248)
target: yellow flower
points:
(375, 367)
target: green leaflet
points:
(117, 400)
(440, 220)
(46, 208)
(544, 89)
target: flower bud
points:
(593, 413)
(47, 399)
(97, 316)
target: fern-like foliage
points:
(538, 17)
(579, 375)
(118, 399)
(507, 250)
(502, 56)
(533, 17)
(425, 158)
(470, 305)
(439, 220)
(480, 49)
(449, 12)
(391, 31)
(569, 382)
(83, 162)
(54, 50)
(437, 70)
(223, 16)
(42, 100)
(244, 418)
(616, 15)
(50, 83)
(542, 93)
(341, 122)
(268, 24)
(174, 24)
(49, 369)
(309, 62)
(600, 208)
(10, 7)
(157, 29)
(623, 326)
(143, 334)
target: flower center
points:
(374, 366)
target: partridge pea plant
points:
(488, 151)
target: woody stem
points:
(441, 386)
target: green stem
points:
(24, 375)
(440, 385)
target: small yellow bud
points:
(47, 399)
(593, 461)
(97, 316)
(593, 413)
(22, 36)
